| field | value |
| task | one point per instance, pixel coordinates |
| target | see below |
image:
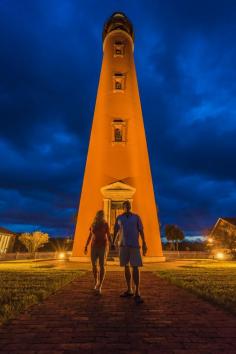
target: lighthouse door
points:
(116, 209)
(114, 195)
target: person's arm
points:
(141, 232)
(109, 235)
(144, 245)
(88, 242)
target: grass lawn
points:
(25, 283)
(212, 280)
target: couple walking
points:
(128, 227)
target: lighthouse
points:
(117, 166)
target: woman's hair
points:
(99, 218)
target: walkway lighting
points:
(61, 255)
(220, 255)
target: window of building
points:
(118, 134)
(119, 49)
(118, 82)
(118, 131)
(118, 85)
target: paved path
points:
(74, 320)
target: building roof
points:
(118, 20)
(230, 220)
(5, 231)
(221, 221)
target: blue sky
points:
(51, 53)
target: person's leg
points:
(95, 274)
(124, 262)
(136, 279)
(136, 262)
(94, 259)
(101, 276)
(102, 259)
(128, 279)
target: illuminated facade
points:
(7, 239)
(117, 166)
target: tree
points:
(174, 234)
(34, 240)
(224, 236)
(169, 233)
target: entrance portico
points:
(114, 195)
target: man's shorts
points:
(130, 256)
(99, 254)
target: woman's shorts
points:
(99, 254)
(130, 256)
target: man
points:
(129, 226)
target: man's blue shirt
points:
(129, 226)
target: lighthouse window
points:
(118, 49)
(118, 131)
(118, 85)
(118, 134)
(118, 82)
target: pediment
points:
(118, 190)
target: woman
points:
(99, 234)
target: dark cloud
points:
(51, 54)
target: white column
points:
(5, 244)
(107, 211)
(1, 243)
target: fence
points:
(37, 255)
(170, 255)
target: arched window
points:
(119, 49)
(118, 134)
(118, 131)
(118, 82)
(118, 85)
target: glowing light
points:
(61, 255)
(210, 240)
(220, 255)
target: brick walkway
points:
(74, 320)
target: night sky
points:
(50, 59)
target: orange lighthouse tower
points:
(117, 167)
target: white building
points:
(7, 239)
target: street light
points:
(61, 255)
(220, 255)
